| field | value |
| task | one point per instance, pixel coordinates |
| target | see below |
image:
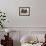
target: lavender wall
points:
(37, 7)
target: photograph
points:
(24, 11)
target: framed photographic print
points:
(24, 11)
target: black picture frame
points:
(24, 11)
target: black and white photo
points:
(24, 11)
